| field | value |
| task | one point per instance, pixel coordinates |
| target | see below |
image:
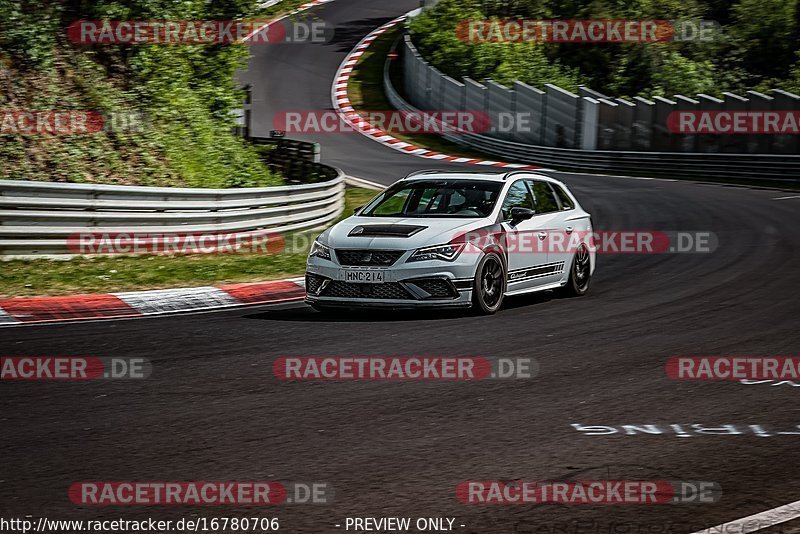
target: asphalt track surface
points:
(213, 410)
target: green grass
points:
(183, 94)
(104, 274)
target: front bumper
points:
(408, 285)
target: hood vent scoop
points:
(385, 230)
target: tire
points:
(580, 274)
(489, 286)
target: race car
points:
(454, 239)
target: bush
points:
(186, 92)
(757, 47)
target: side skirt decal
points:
(529, 273)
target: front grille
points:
(437, 287)
(313, 283)
(378, 258)
(390, 290)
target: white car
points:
(454, 239)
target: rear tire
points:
(489, 286)
(580, 274)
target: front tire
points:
(580, 274)
(489, 286)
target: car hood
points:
(398, 233)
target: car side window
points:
(545, 198)
(518, 196)
(566, 201)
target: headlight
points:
(319, 250)
(440, 252)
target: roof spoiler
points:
(425, 171)
(508, 175)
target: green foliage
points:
(434, 33)
(756, 47)
(681, 75)
(28, 31)
(187, 93)
(768, 34)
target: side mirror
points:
(521, 214)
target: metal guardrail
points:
(782, 168)
(37, 218)
(297, 161)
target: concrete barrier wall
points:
(554, 117)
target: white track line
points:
(786, 198)
(361, 182)
(757, 522)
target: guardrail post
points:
(609, 132)
(409, 58)
(625, 116)
(761, 144)
(500, 108)
(686, 142)
(662, 139)
(453, 94)
(561, 126)
(591, 122)
(596, 95)
(710, 143)
(736, 144)
(530, 101)
(786, 101)
(475, 96)
(643, 131)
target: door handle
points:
(542, 235)
(569, 229)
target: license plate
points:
(364, 276)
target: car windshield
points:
(436, 198)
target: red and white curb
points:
(26, 310)
(341, 103)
